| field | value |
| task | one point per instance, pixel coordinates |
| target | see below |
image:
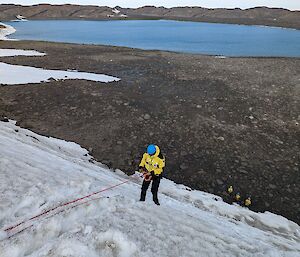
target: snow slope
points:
(38, 173)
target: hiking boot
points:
(157, 202)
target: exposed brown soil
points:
(220, 122)
(253, 16)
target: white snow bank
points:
(214, 204)
(37, 173)
(16, 74)
(19, 52)
(20, 18)
(116, 11)
(6, 32)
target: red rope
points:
(62, 205)
(79, 204)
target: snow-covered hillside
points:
(39, 173)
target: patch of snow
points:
(123, 16)
(3, 235)
(220, 57)
(19, 52)
(38, 173)
(8, 30)
(17, 74)
(20, 18)
(116, 11)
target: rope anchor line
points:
(60, 205)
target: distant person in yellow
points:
(152, 166)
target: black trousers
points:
(154, 188)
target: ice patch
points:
(20, 18)
(19, 52)
(16, 74)
(116, 11)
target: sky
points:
(288, 4)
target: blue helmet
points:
(151, 149)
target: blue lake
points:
(179, 36)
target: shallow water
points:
(179, 36)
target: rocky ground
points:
(220, 122)
(253, 16)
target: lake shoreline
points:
(220, 121)
(276, 17)
(5, 31)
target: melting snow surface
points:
(19, 52)
(38, 173)
(17, 74)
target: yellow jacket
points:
(154, 163)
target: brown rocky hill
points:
(253, 16)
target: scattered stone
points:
(147, 116)
(184, 166)
(272, 186)
(243, 171)
(221, 138)
(183, 153)
(107, 163)
(4, 119)
(219, 182)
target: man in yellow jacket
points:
(152, 166)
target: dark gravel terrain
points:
(220, 122)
